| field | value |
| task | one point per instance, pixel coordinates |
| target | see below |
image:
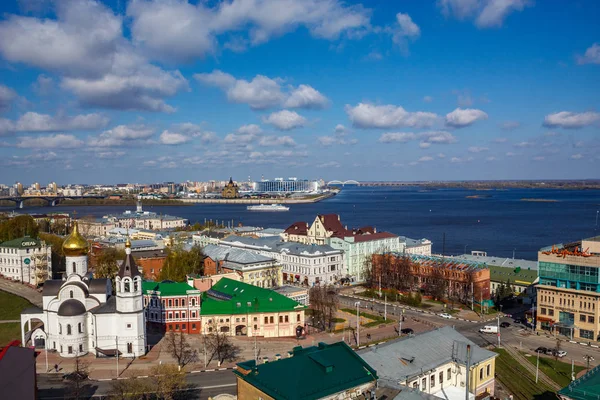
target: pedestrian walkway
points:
(19, 289)
(9, 321)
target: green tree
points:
(107, 263)
(19, 226)
(58, 256)
(168, 381)
(180, 263)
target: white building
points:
(81, 315)
(26, 260)
(301, 264)
(417, 246)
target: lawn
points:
(11, 306)
(558, 371)
(376, 319)
(8, 332)
(518, 381)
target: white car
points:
(561, 353)
(446, 315)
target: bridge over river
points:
(51, 200)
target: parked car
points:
(504, 324)
(407, 331)
(561, 353)
(489, 329)
(541, 350)
(446, 315)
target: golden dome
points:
(75, 244)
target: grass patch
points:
(558, 371)
(518, 381)
(338, 320)
(9, 332)
(376, 319)
(11, 306)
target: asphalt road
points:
(200, 386)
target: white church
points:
(81, 315)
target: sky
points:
(147, 91)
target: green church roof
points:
(586, 387)
(169, 288)
(311, 373)
(228, 297)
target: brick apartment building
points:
(172, 306)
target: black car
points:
(407, 331)
(504, 324)
(542, 350)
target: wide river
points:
(498, 222)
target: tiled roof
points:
(367, 237)
(332, 223)
(229, 297)
(311, 373)
(404, 359)
(275, 244)
(168, 288)
(297, 228)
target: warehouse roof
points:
(329, 368)
(228, 297)
(234, 255)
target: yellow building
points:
(230, 191)
(568, 293)
(435, 362)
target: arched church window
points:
(60, 329)
(80, 328)
(68, 329)
(135, 285)
(126, 285)
(74, 267)
(70, 294)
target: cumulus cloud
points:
(486, 13)
(477, 149)
(178, 30)
(539, 158)
(250, 129)
(122, 135)
(510, 125)
(437, 137)
(427, 99)
(365, 115)
(43, 85)
(277, 141)
(85, 45)
(460, 117)
(35, 122)
(524, 144)
(425, 159)
(397, 137)
(426, 138)
(500, 140)
(173, 138)
(460, 160)
(577, 156)
(405, 31)
(591, 56)
(330, 164)
(332, 140)
(58, 141)
(7, 95)
(285, 120)
(340, 130)
(571, 120)
(263, 92)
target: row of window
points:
(69, 330)
(590, 318)
(155, 316)
(154, 302)
(549, 312)
(488, 371)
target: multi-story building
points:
(435, 362)
(416, 246)
(289, 185)
(357, 244)
(26, 260)
(241, 309)
(568, 293)
(172, 306)
(334, 371)
(231, 190)
(301, 263)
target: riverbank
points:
(541, 200)
(260, 201)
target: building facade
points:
(417, 246)
(240, 309)
(301, 264)
(26, 260)
(568, 293)
(289, 185)
(81, 315)
(172, 306)
(231, 190)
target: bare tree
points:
(180, 349)
(556, 350)
(324, 304)
(437, 284)
(76, 379)
(168, 381)
(130, 389)
(219, 345)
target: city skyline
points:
(149, 91)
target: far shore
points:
(541, 200)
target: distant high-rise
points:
(19, 187)
(36, 186)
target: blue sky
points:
(154, 90)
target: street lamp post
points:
(588, 358)
(357, 304)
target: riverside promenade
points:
(314, 199)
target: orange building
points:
(151, 266)
(172, 306)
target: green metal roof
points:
(586, 387)
(229, 297)
(169, 288)
(501, 274)
(22, 243)
(311, 373)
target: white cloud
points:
(487, 13)
(340, 130)
(250, 129)
(577, 156)
(571, 120)
(524, 144)
(7, 95)
(510, 125)
(491, 158)
(437, 137)
(365, 115)
(58, 141)
(398, 137)
(43, 85)
(330, 164)
(460, 160)
(240, 138)
(121, 135)
(285, 120)
(427, 138)
(179, 30)
(539, 158)
(195, 131)
(277, 141)
(425, 159)
(306, 97)
(460, 118)
(441, 155)
(591, 56)
(500, 140)
(476, 149)
(263, 92)
(173, 138)
(405, 31)
(34, 122)
(331, 140)
(424, 145)
(149, 163)
(427, 99)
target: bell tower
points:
(76, 249)
(129, 284)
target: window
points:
(449, 374)
(128, 326)
(581, 318)
(193, 302)
(127, 286)
(415, 384)
(441, 377)
(480, 373)
(176, 327)
(70, 294)
(488, 370)
(68, 330)
(176, 303)
(271, 319)
(79, 328)
(287, 319)
(74, 267)
(170, 303)
(590, 319)
(81, 348)
(585, 334)
(70, 349)
(130, 347)
(543, 311)
(60, 330)
(424, 384)
(183, 327)
(432, 381)
(135, 285)
(193, 314)
(61, 348)
(281, 319)
(297, 317)
(266, 320)
(551, 312)
(182, 302)
(193, 326)
(177, 315)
